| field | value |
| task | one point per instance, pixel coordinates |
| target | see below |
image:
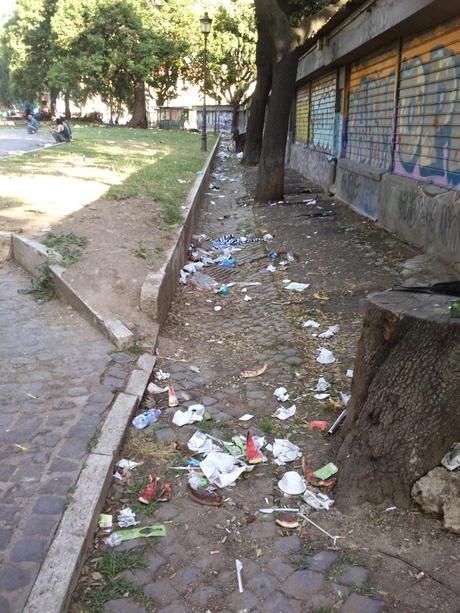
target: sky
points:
(6, 8)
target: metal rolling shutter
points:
(428, 129)
(301, 114)
(371, 107)
(322, 113)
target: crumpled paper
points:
(325, 356)
(285, 451)
(317, 500)
(127, 517)
(201, 443)
(194, 413)
(222, 469)
(283, 413)
(281, 394)
(322, 385)
(329, 332)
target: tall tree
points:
(231, 55)
(30, 44)
(289, 34)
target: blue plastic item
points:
(146, 419)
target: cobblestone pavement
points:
(58, 377)
(192, 569)
(16, 140)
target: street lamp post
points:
(205, 24)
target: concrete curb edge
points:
(158, 288)
(60, 570)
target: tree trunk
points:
(139, 118)
(235, 130)
(403, 415)
(67, 105)
(255, 128)
(270, 177)
(53, 97)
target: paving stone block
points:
(262, 584)
(246, 601)
(162, 591)
(176, 607)
(279, 603)
(5, 536)
(49, 505)
(28, 550)
(123, 605)
(13, 577)
(287, 544)
(4, 605)
(280, 569)
(302, 584)
(139, 577)
(322, 560)
(361, 604)
(351, 575)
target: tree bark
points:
(270, 177)
(53, 97)
(404, 414)
(139, 118)
(67, 113)
(256, 120)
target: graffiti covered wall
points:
(371, 109)
(428, 127)
(302, 108)
(322, 113)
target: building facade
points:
(377, 117)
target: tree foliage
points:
(104, 47)
(231, 53)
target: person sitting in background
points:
(61, 132)
(32, 125)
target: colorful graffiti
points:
(322, 114)
(370, 110)
(428, 129)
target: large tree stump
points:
(405, 406)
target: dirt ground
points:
(110, 273)
(102, 187)
(386, 559)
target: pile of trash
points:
(155, 491)
(200, 257)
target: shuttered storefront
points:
(302, 108)
(370, 109)
(322, 113)
(428, 127)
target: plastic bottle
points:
(146, 419)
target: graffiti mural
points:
(370, 109)
(322, 113)
(428, 128)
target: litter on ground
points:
(192, 414)
(297, 287)
(281, 394)
(310, 323)
(292, 484)
(325, 356)
(283, 413)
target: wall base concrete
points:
(359, 186)
(424, 215)
(315, 165)
(419, 213)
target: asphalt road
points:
(14, 141)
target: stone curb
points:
(30, 254)
(158, 287)
(60, 570)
